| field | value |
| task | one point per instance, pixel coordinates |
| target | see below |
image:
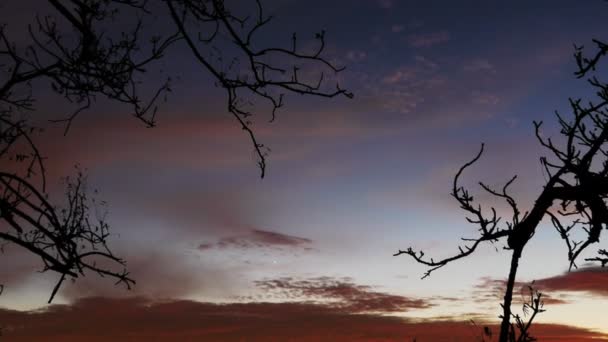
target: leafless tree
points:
(77, 52)
(573, 198)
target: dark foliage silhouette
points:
(77, 52)
(573, 198)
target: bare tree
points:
(573, 198)
(77, 52)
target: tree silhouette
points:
(573, 198)
(77, 52)
(532, 307)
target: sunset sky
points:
(306, 252)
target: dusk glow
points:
(306, 252)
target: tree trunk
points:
(506, 305)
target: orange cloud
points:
(138, 319)
(492, 291)
(592, 280)
(555, 290)
(340, 294)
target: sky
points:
(307, 252)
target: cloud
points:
(413, 72)
(113, 141)
(17, 265)
(160, 274)
(479, 65)
(162, 270)
(556, 290)
(425, 40)
(399, 75)
(139, 319)
(591, 280)
(258, 238)
(560, 289)
(492, 291)
(405, 88)
(340, 293)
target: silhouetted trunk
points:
(506, 305)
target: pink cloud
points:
(425, 40)
(492, 291)
(592, 280)
(479, 65)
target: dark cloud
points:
(340, 293)
(258, 238)
(138, 319)
(592, 280)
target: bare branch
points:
(577, 181)
(80, 52)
